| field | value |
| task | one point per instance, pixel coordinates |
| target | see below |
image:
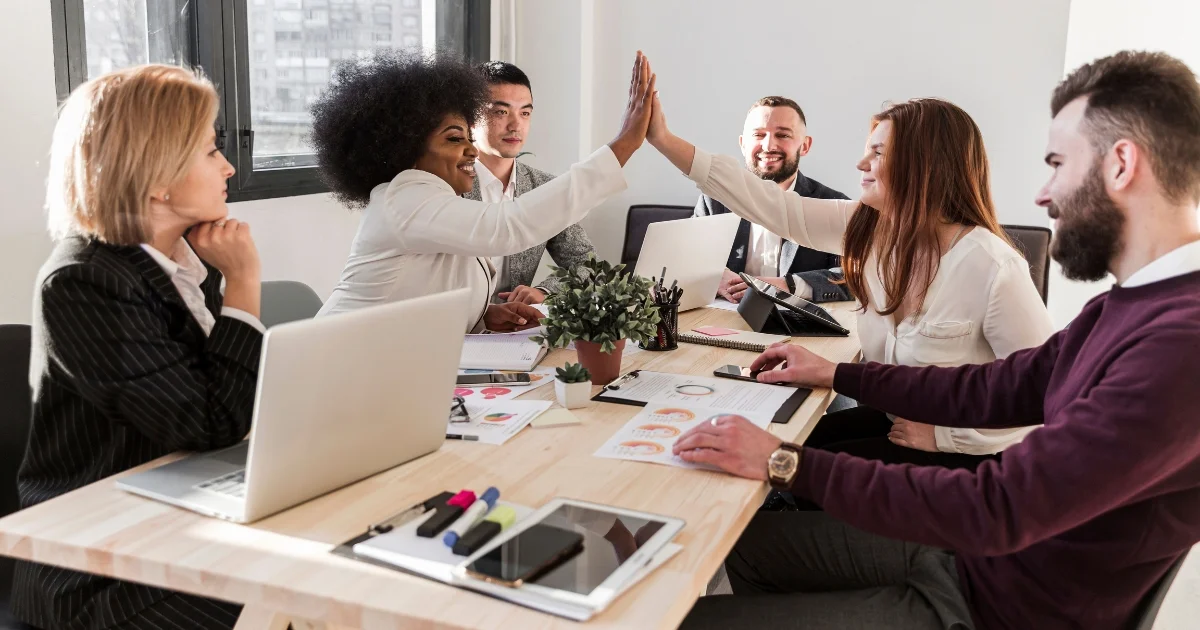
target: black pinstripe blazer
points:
(122, 374)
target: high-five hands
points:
(637, 111)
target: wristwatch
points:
(790, 281)
(782, 466)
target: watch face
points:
(782, 464)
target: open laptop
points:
(694, 251)
(339, 398)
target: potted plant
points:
(598, 307)
(572, 385)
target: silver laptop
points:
(694, 251)
(339, 398)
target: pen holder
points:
(666, 337)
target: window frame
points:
(219, 44)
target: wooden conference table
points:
(281, 568)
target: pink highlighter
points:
(445, 514)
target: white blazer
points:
(418, 237)
(981, 306)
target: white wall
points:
(840, 60)
(27, 114)
(1102, 27)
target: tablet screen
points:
(608, 541)
(797, 303)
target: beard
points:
(787, 168)
(1087, 236)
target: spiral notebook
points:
(733, 339)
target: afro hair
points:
(376, 116)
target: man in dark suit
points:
(773, 140)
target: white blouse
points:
(418, 237)
(981, 306)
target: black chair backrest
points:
(1147, 610)
(286, 301)
(1034, 243)
(636, 221)
(16, 410)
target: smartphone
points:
(527, 556)
(736, 372)
(493, 378)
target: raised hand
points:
(636, 120)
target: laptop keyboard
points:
(231, 484)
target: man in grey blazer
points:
(499, 136)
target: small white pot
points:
(573, 395)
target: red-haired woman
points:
(938, 281)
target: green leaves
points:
(598, 302)
(573, 373)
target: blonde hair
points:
(118, 136)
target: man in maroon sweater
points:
(1072, 527)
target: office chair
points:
(16, 402)
(1147, 610)
(636, 221)
(286, 301)
(1034, 243)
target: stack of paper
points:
(501, 351)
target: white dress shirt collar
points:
(491, 189)
(1176, 262)
(187, 273)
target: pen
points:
(477, 511)
(409, 514)
(465, 438)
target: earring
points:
(167, 197)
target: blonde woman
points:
(136, 352)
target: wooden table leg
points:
(260, 618)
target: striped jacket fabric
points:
(122, 374)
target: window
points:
(273, 76)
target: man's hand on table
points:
(787, 363)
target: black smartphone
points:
(526, 556)
(493, 378)
(736, 372)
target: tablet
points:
(809, 311)
(617, 543)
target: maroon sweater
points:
(1079, 521)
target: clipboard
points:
(415, 511)
(783, 415)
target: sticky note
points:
(555, 418)
(713, 331)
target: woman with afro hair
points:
(393, 137)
